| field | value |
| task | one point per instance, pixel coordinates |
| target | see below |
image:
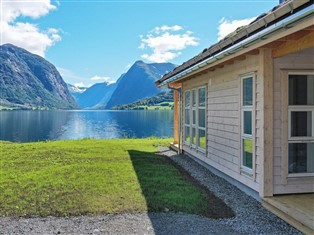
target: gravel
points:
(251, 217)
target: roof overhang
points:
(265, 35)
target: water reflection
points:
(26, 126)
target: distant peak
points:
(139, 62)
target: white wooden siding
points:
(223, 120)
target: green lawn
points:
(89, 176)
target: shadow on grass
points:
(169, 188)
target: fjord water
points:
(29, 126)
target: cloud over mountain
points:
(166, 43)
(27, 35)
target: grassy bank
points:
(93, 176)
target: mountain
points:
(96, 96)
(75, 89)
(30, 81)
(154, 102)
(138, 83)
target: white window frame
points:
(298, 108)
(245, 169)
(198, 126)
(195, 126)
(187, 125)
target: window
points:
(301, 124)
(202, 118)
(247, 143)
(195, 118)
(187, 117)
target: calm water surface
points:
(28, 126)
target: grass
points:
(63, 178)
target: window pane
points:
(194, 98)
(193, 136)
(301, 123)
(301, 158)
(301, 90)
(187, 116)
(248, 91)
(194, 117)
(247, 122)
(201, 97)
(202, 138)
(187, 99)
(247, 153)
(187, 134)
(201, 117)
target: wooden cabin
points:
(245, 105)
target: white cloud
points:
(228, 26)
(27, 35)
(166, 42)
(81, 84)
(108, 80)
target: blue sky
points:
(96, 41)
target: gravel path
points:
(251, 217)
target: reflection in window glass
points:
(193, 136)
(193, 98)
(201, 97)
(187, 134)
(187, 99)
(201, 118)
(202, 138)
(301, 158)
(248, 91)
(187, 116)
(301, 123)
(247, 125)
(301, 90)
(247, 146)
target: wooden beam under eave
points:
(175, 85)
(274, 44)
(253, 52)
(289, 47)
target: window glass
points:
(193, 136)
(301, 90)
(193, 98)
(187, 116)
(187, 99)
(247, 146)
(187, 134)
(247, 122)
(301, 123)
(301, 158)
(201, 97)
(201, 118)
(248, 91)
(194, 117)
(202, 138)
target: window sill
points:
(300, 175)
(246, 172)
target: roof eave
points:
(229, 45)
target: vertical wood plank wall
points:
(300, 61)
